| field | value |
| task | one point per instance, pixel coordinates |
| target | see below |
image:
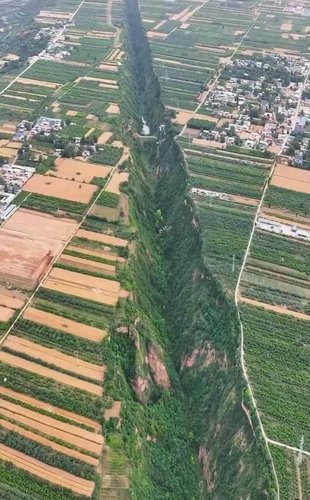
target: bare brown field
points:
(66, 168)
(55, 357)
(116, 179)
(49, 373)
(108, 213)
(113, 109)
(71, 112)
(70, 432)
(278, 214)
(101, 290)
(6, 313)
(295, 179)
(113, 412)
(40, 224)
(46, 472)
(7, 152)
(65, 325)
(97, 253)
(24, 259)
(277, 309)
(52, 409)
(60, 188)
(104, 137)
(51, 444)
(12, 299)
(102, 238)
(39, 83)
(89, 265)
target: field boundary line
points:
(236, 300)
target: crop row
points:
(50, 204)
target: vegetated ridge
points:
(202, 320)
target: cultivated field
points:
(60, 188)
(79, 171)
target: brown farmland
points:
(41, 225)
(53, 409)
(116, 180)
(51, 444)
(54, 357)
(102, 238)
(60, 188)
(97, 253)
(49, 426)
(66, 168)
(66, 325)
(88, 265)
(100, 290)
(46, 472)
(11, 298)
(49, 373)
(295, 179)
(6, 313)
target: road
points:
(236, 298)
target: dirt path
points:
(300, 495)
(64, 324)
(54, 357)
(109, 12)
(57, 411)
(59, 377)
(46, 472)
(51, 444)
(274, 308)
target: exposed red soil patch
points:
(79, 171)
(88, 265)
(158, 369)
(113, 412)
(60, 188)
(6, 313)
(11, 298)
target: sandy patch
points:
(70, 112)
(103, 138)
(38, 83)
(113, 412)
(113, 109)
(54, 357)
(287, 26)
(115, 181)
(91, 117)
(109, 67)
(57, 411)
(102, 238)
(64, 324)
(46, 472)
(55, 14)
(60, 188)
(89, 265)
(49, 373)
(277, 309)
(66, 168)
(182, 117)
(157, 34)
(208, 144)
(6, 313)
(101, 290)
(295, 179)
(89, 132)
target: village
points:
(254, 104)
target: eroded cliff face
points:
(200, 332)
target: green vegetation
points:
(108, 156)
(46, 454)
(282, 399)
(53, 205)
(108, 199)
(292, 201)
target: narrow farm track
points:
(267, 440)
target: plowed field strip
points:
(66, 325)
(51, 444)
(83, 444)
(57, 411)
(105, 255)
(102, 238)
(97, 295)
(53, 423)
(277, 309)
(52, 356)
(87, 264)
(46, 472)
(52, 374)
